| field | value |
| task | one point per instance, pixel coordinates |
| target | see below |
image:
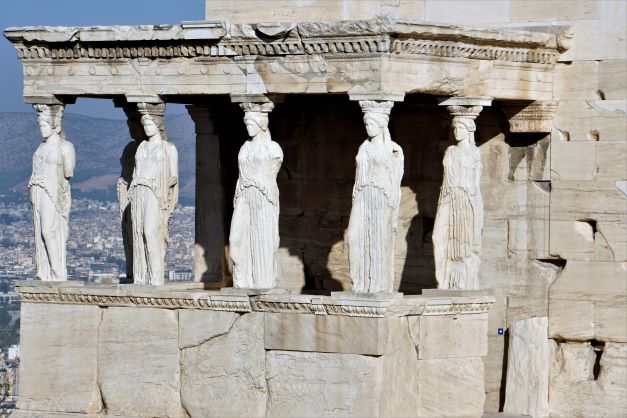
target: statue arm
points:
(69, 159)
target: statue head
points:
(377, 117)
(256, 122)
(150, 126)
(49, 118)
(463, 129)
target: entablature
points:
(381, 54)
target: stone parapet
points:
(190, 352)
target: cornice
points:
(382, 36)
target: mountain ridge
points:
(98, 143)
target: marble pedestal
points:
(126, 351)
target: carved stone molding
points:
(365, 37)
(185, 301)
(530, 117)
(161, 297)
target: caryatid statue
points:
(153, 194)
(53, 166)
(254, 236)
(459, 218)
(127, 163)
(376, 200)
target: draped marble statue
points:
(376, 200)
(127, 163)
(254, 236)
(459, 218)
(153, 194)
(53, 166)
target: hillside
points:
(98, 144)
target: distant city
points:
(94, 254)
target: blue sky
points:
(80, 13)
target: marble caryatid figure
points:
(254, 236)
(153, 194)
(53, 166)
(127, 163)
(459, 218)
(376, 200)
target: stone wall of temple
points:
(555, 237)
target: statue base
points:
(125, 350)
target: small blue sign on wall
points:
(501, 331)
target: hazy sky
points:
(80, 13)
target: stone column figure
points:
(127, 162)
(459, 218)
(376, 200)
(254, 236)
(153, 193)
(53, 166)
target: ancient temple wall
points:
(129, 351)
(555, 202)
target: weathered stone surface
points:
(591, 120)
(138, 362)
(239, 11)
(576, 80)
(525, 11)
(326, 334)
(232, 363)
(572, 240)
(576, 389)
(449, 336)
(492, 244)
(58, 367)
(571, 320)
(527, 238)
(612, 76)
(611, 164)
(610, 321)
(197, 327)
(575, 282)
(449, 387)
(600, 201)
(527, 386)
(573, 160)
(322, 384)
(615, 235)
(399, 391)
(589, 34)
(470, 13)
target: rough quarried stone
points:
(138, 362)
(527, 385)
(577, 388)
(58, 361)
(225, 375)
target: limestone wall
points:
(136, 352)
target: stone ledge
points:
(178, 297)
